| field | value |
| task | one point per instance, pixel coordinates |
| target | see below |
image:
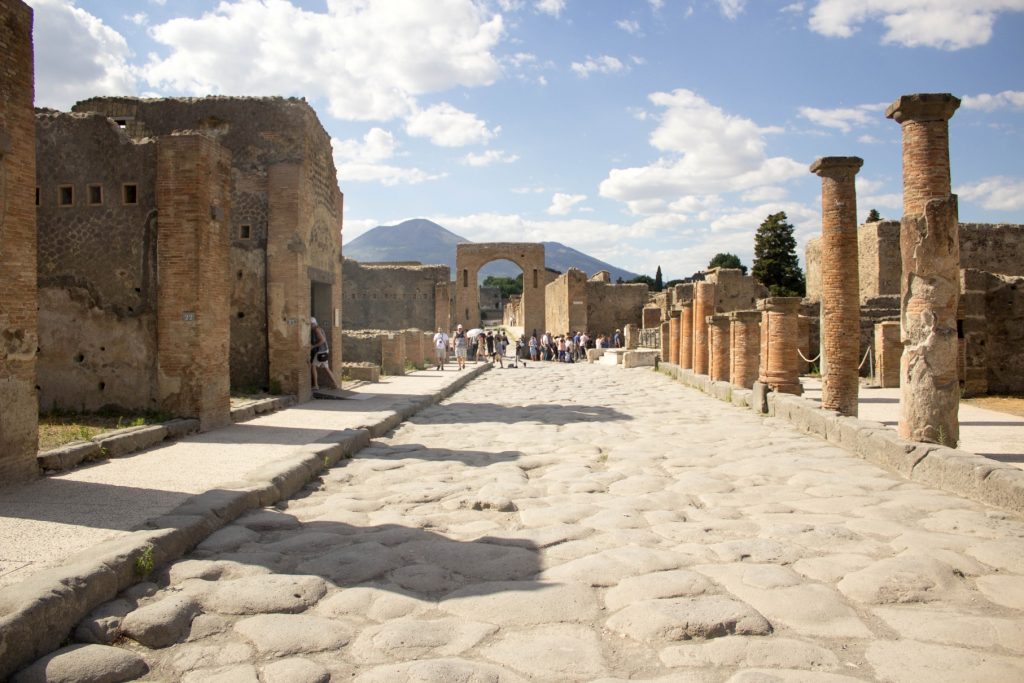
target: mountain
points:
(427, 242)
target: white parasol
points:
(474, 332)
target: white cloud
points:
(562, 203)
(845, 118)
(732, 8)
(369, 60)
(868, 140)
(986, 102)
(604, 64)
(139, 18)
(793, 8)
(943, 24)
(552, 7)
(448, 126)
(629, 26)
(490, 156)
(528, 190)
(656, 4)
(361, 161)
(998, 193)
(801, 216)
(768, 193)
(706, 151)
(77, 56)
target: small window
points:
(38, 197)
(130, 193)
(245, 232)
(121, 123)
(95, 195)
(66, 195)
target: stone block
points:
(594, 354)
(639, 358)
(129, 441)
(954, 470)
(181, 427)
(885, 448)
(363, 372)
(1004, 488)
(759, 398)
(68, 456)
(741, 397)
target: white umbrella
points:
(474, 332)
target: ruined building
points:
(206, 227)
(574, 302)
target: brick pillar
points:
(673, 337)
(744, 347)
(19, 411)
(193, 199)
(651, 317)
(718, 347)
(414, 349)
(930, 283)
(778, 369)
(392, 354)
(664, 341)
(703, 306)
(686, 336)
(888, 349)
(442, 306)
(840, 284)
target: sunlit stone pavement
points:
(585, 522)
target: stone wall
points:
(734, 291)
(992, 248)
(611, 307)
(392, 297)
(565, 303)
(471, 257)
(18, 322)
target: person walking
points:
(461, 346)
(440, 349)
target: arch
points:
(471, 257)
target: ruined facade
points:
(386, 296)
(574, 302)
(471, 257)
(18, 324)
(98, 179)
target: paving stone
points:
(352, 564)
(562, 652)
(437, 670)
(211, 570)
(609, 567)
(670, 584)
(902, 579)
(373, 603)
(407, 639)
(103, 624)
(708, 616)
(243, 673)
(192, 656)
(306, 543)
(736, 651)
(295, 670)
(161, 623)
(912, 661)
(427, 579)
(523, 603)
(831, 568)
(206, 625)
(288, 634)
(228, 538)
(84, 664)
(788, 676)
(482, 561)
(1007, 555)
(262, 594)
(268, 520)
(952, 628)
(1006, 589)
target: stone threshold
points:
(38, 615)
(120, 442)
(964, 474)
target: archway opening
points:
(500, 284)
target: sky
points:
(643, 132)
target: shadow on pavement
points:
(541, 413)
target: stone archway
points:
(471, 257)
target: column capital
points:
(828, 167)
(745, 316)
(780, 304)
(923, 107)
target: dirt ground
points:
(1014, 405)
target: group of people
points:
(480, 347)
(491, 346)
(569, 347)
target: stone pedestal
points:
(888, 349)
(718, 347)
(779, 368)
(840, 285)
(930, 284)
(673, 337)
(686, 336)
(703, 306)
(744, 347)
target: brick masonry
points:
(663, 340)
(888, 349)
(718, 347)
(471, 257)
(393, 296)
(651, 317)
(779, 366)
(703, 306)
(744, 347)
(18, 319)
(674, 326)
(686, 336)
(393, 354)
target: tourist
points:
(461, 346)
(319, 354)
(440, 348)
(481, 348)
(617, 339)
(533, 346)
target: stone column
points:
(888, 350)
(744, 347)
(718, 347)
(686, 336)
(778, 369)
(703, 306)
(673, 337)
(840, 286)
(664, 341)
(631, 335)
(930, 283)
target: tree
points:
(873, 216)
(775, 261)
(643, 279)
(659, 284)
(507, 285)
(727, 260)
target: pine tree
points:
(873, 216)
(726, 260)
(775, 261)
(659, 284)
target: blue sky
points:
(643, 132)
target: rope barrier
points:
(865, 359)
(809, 360)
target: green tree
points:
(775, 262)
(873, 216)
(659, 284)
(643, 279)
(507, 285)
(726, 260)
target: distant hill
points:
(427, 242)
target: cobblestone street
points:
(584, 522)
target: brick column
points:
(19, 411)
(413, 348)
(193, 198)
(673, 337)
(703, 306)
(718, 347)
(664, 341)
(840, 285)
(392, 354)
(778, 369)
(930, 284)
(686, 336)
(744, 347)
(888, 349)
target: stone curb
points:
(38, 614)
(121, 442)
(965, 474)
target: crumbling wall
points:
(994, 248)
(566, 302)
(1004, 313)
(392, 297)
(735, 291)
(878, 259)
(611, 307)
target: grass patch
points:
(60, 427)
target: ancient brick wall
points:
(391, 297)
(734, 291)
(878, 259)
(611, 307)
(992, 248)
(18, 331)
(248, 265)
(97, 264)
(470, 257)
(566, 304)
